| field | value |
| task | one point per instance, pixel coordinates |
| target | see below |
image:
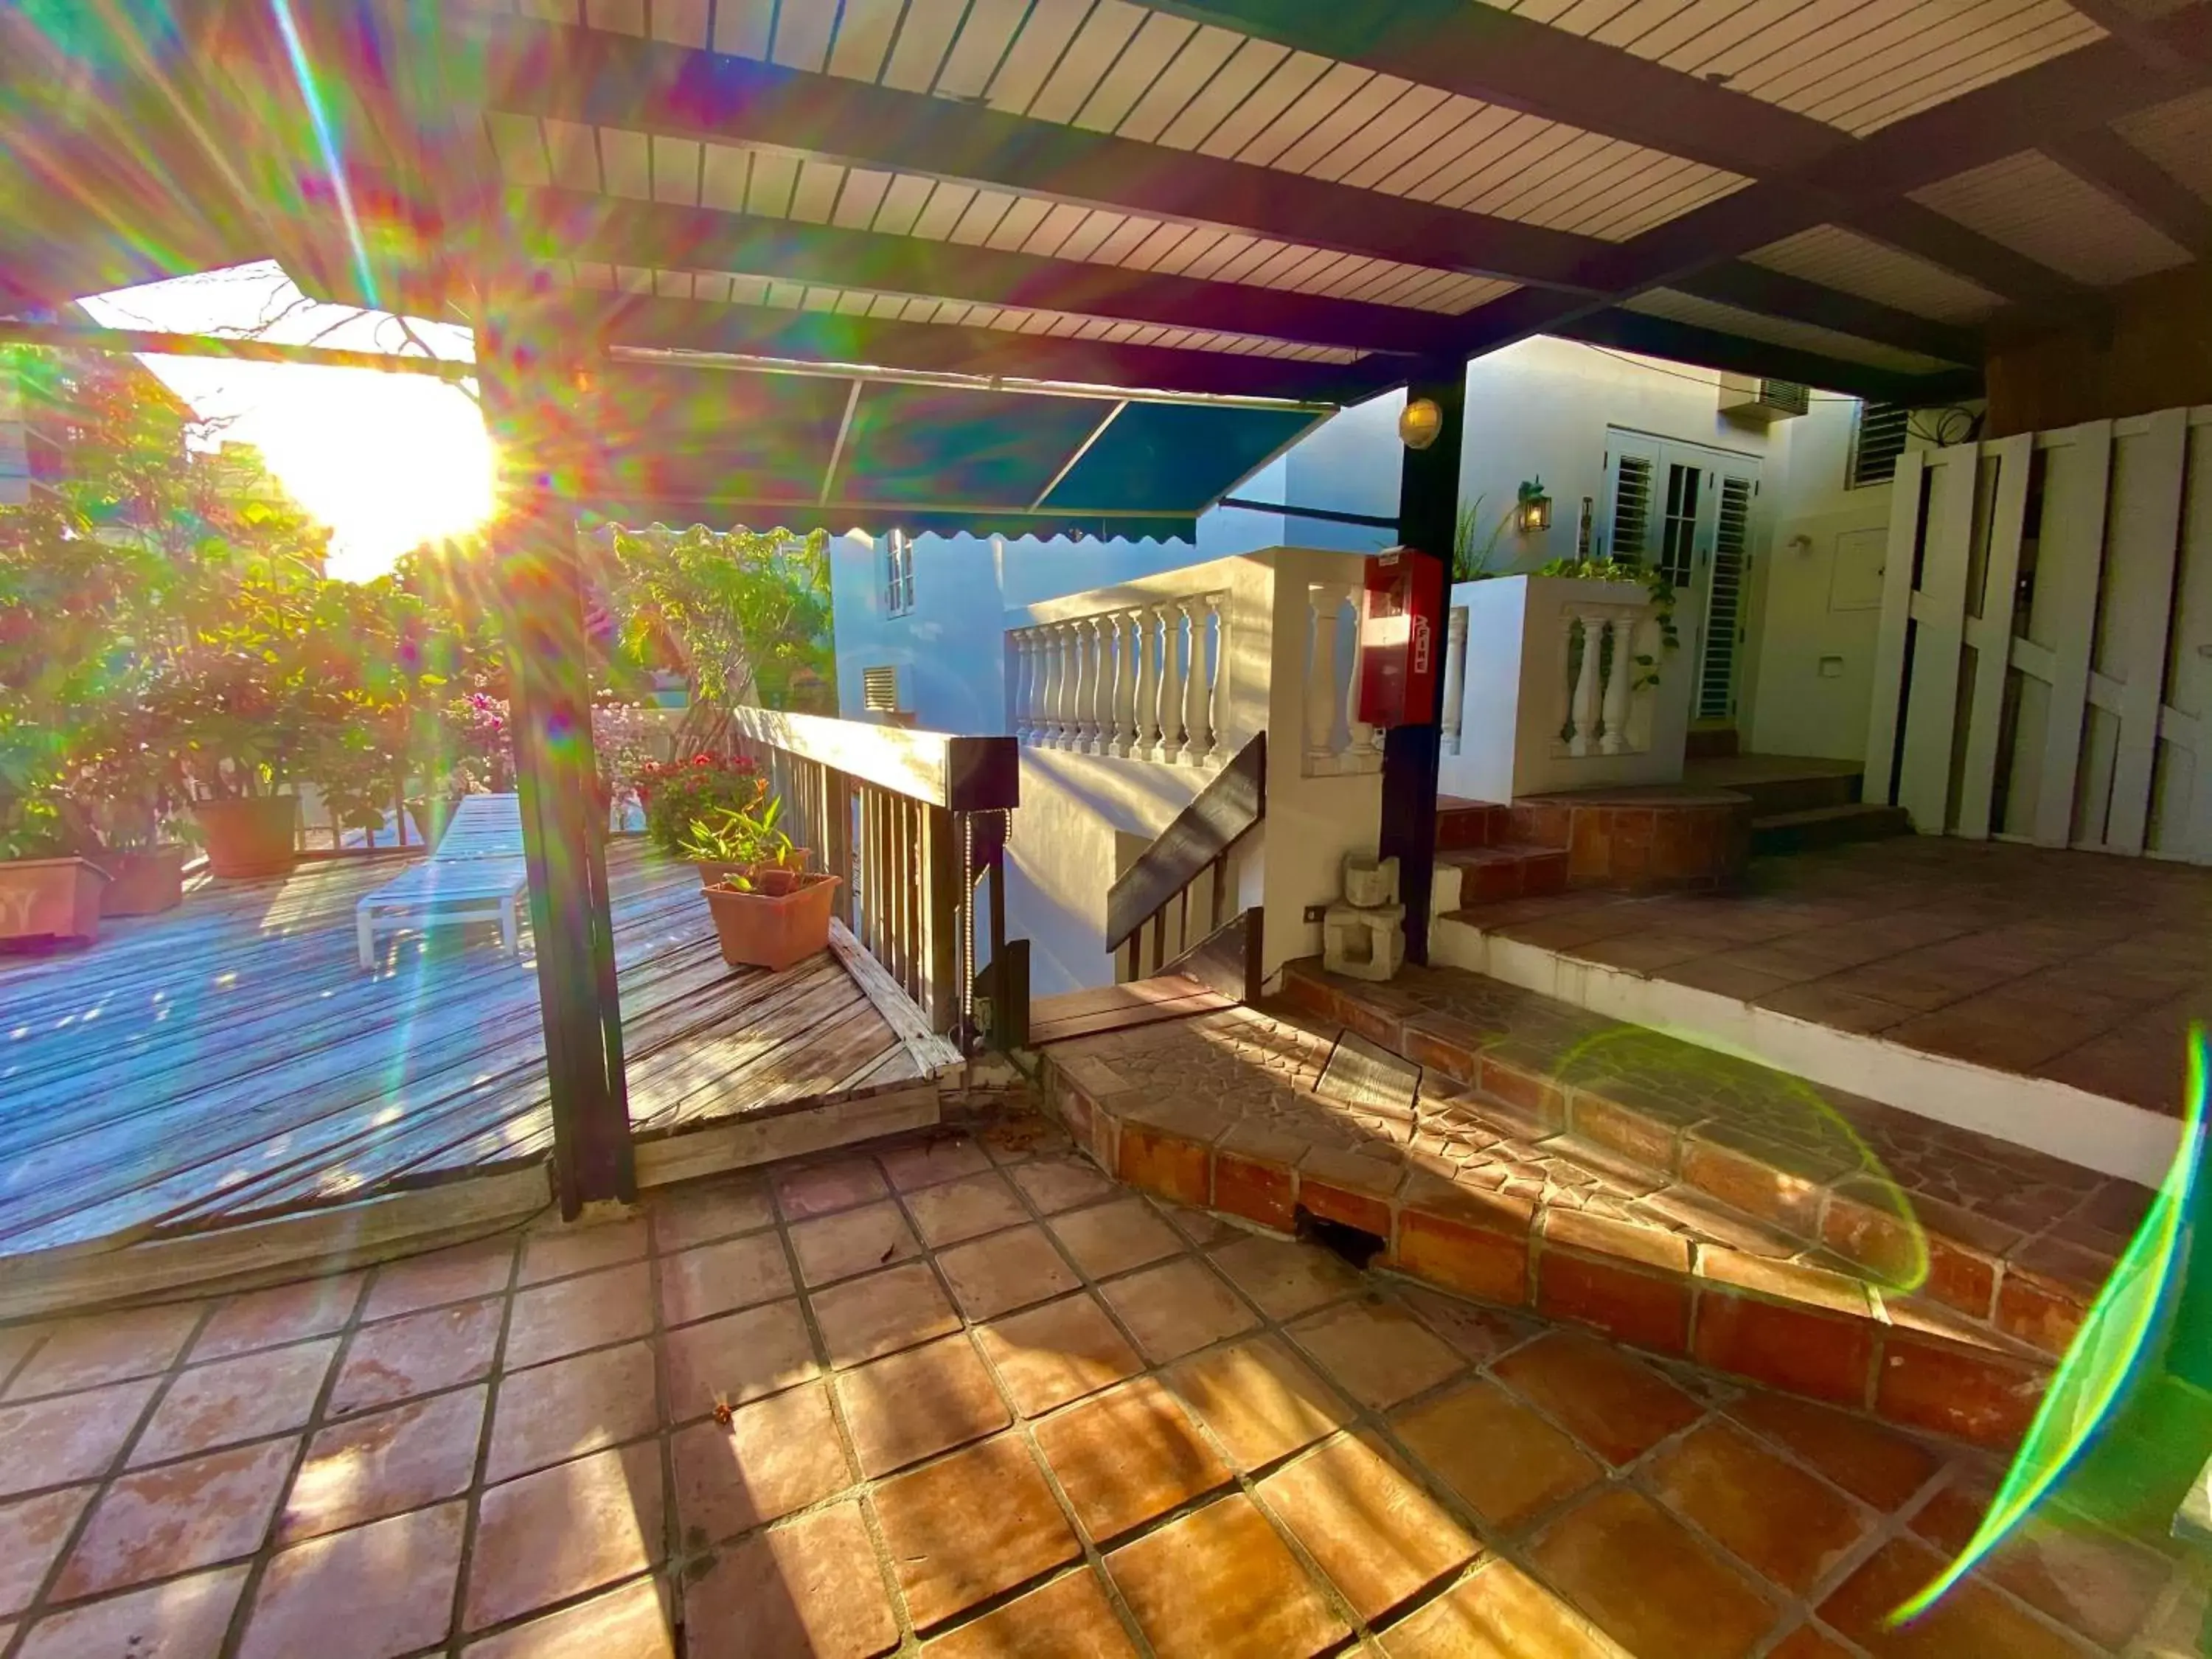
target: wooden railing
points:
(909, 822)
(1195, 846)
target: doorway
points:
(1684, 510)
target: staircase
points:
(1798, 803)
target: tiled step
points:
(1489, 1194)
(1487, 874)
(1462, 824)
(2010, 1241)
(1828, 826)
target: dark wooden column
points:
(530, 388)
(1428, 516)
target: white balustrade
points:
(1185, 667)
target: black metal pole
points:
(539, 578)
(1428, 517)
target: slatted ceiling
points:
(2178, 137)
(2036, 208)
(780, 184)
(1097, 44)
(1839, 259)
(618, 16)
(676, 171)
(1110, 65)
(1912, 75)
(742, 26)
(1779, 330)
(681, 23)
(1150, 49)
(1858, 64)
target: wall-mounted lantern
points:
(1534, 512)
(1419, 423)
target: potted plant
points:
(732, 844)
(759, 929)
(46, 894)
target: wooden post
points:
(528, 391)
(1428, 516)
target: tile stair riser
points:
(1974, 1283)
(1857, 1356)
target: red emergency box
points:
(1401, 625)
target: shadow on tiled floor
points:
(979, 1400)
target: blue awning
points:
(848, 449)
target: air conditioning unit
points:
(1747, 398)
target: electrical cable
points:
(1634, 362)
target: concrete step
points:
(1778, 783)
(1828, 826)
(1709, 742)
(1485, 875)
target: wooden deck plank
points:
(230, 1059)
(1121, 1008)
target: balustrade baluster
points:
(1126, 637)
(1048, 735)
(1147, 735)
(1619, 681)
(1098, 692)
(1584, 712)
(1080, 675)
(1173, 663)
(1321, 699)
(1217, 697)
(1024, 665)
(1196, 740)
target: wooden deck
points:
(1121, 1007)
(231, 1061)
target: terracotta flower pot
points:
(53, 901)
(143, 884)
(249, 836)
(760, 932)
(713, 872)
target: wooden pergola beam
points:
(1775, 293)
(2103, 159)
(1704, 347)
(614, 231)
(571, 73)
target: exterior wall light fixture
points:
(1534, 510)
(1419, 423)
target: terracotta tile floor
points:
(980, 1402)
(2073, 966)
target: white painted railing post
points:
(1584, 712)
(1321, 699)
(1454, 676)
(1218, 684)
(1125, 682)
(1196, 740)
(1026, 686)
(1618, 681)
(1062, 700)
(1085, 686)
(1170, 691)
(1146, 736)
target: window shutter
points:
(1877, 440)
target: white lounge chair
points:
(476, 873)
